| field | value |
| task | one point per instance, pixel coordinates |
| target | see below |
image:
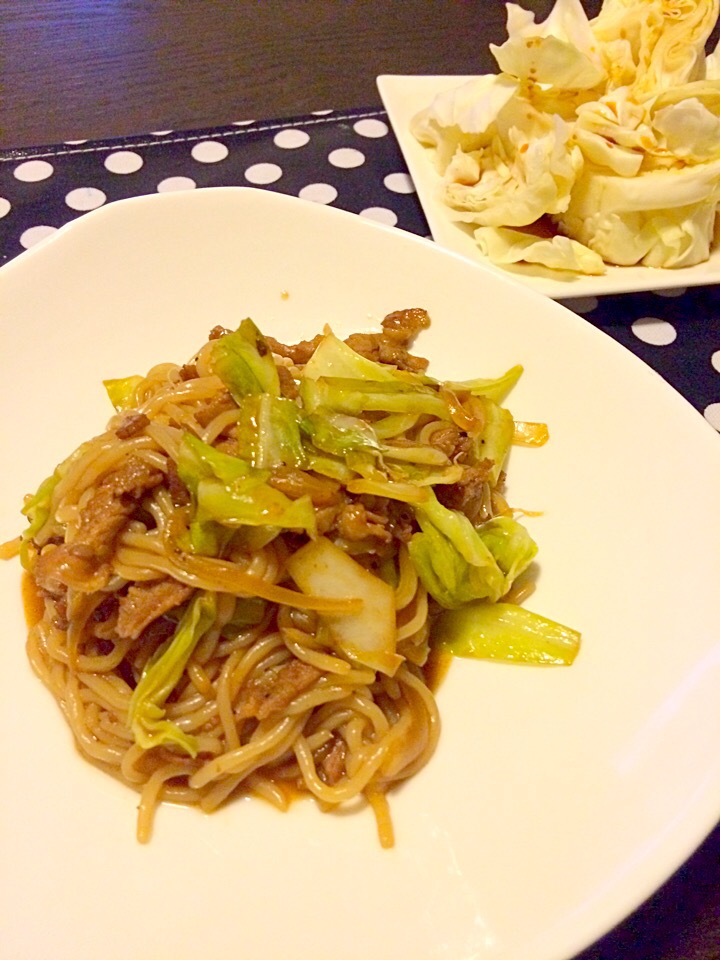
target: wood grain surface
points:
(76, 69)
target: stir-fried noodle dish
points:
(240, 585)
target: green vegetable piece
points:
(357, 396)
(510, 544)
(506, 632)
(496, 437)
(334, 358)
(424, 476)
(394, 424)
(331, 467)
(452, 561)
(494, 389)
(37, 510)
(229, 493)
(340, 434)
(122, 392)
(269, 432)
(146, 716)
(250, 501)
(197, 460)
(244, 362)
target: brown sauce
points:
(33, 603)
(436, 667)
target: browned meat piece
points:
(296, 483)
(131, 425)
(325, 518)
(288, 387)
(376, 347)
(217, 332)
(102, 518)
(112, 503)
(401, 520)
(331, 761)
(445, 438)
(356, 522)
(210, 409)
(145, 602)
(403, 326)
(277, 688)
(176, 488)
(188, 371)
(471, 494)
(105, 609)
(57, 568)
(299, 353)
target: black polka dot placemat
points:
(351, 160)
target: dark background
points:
(99, 68)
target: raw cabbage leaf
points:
(689, 130)
(463, 118)
(666, 39)
(660, 219)
(503, 245)
(522, 176)
(561, 51)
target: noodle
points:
(186, 659)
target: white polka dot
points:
(85, 198)
(159, 133)
(715, 360)
(242, 123)
(262, 173)
(5, 206)
(671, 292)
(371, 128)
(380, 215)
(346, 157)
(33, 170)
(209, 151)
(321, 113)
(291, 139)
(33, 235)
(318, 192)
(123, 161)
(170, 184)
(658, 333)
(399, 183)
(581, 304)
(712, 415)
(72, 143)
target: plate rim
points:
(36, 251)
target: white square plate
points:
(558, 799)
(403, 97)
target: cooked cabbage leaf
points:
(146, 715)
(244, 363)
(506, 632)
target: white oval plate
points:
(558, 799)
(403, 97)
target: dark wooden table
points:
(76, 69)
